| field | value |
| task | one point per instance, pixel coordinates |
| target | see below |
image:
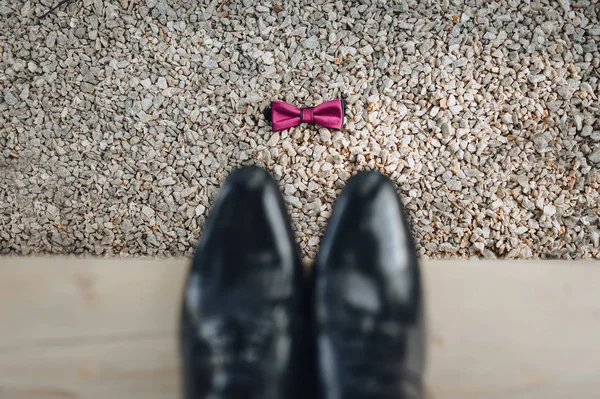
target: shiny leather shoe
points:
(242, 328)
(369, 308)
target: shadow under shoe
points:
(242, 326)
(370, 324)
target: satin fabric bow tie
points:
(283, 116)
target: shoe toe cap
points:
(369, 247)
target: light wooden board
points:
(97, 329)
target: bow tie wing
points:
(330, 114)
(284, 115)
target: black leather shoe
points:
(242, 327)
(370, 327)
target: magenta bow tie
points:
(330, 114)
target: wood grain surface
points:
(103, 328)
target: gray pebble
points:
(9, 98)
(311, 43)
(595, 155)
(147, 211)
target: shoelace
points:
(238, 343)
(372, 364)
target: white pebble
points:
(161, 83)
(549, 210)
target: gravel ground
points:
(120, 119)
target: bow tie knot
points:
(307, 115)
(330, 114)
